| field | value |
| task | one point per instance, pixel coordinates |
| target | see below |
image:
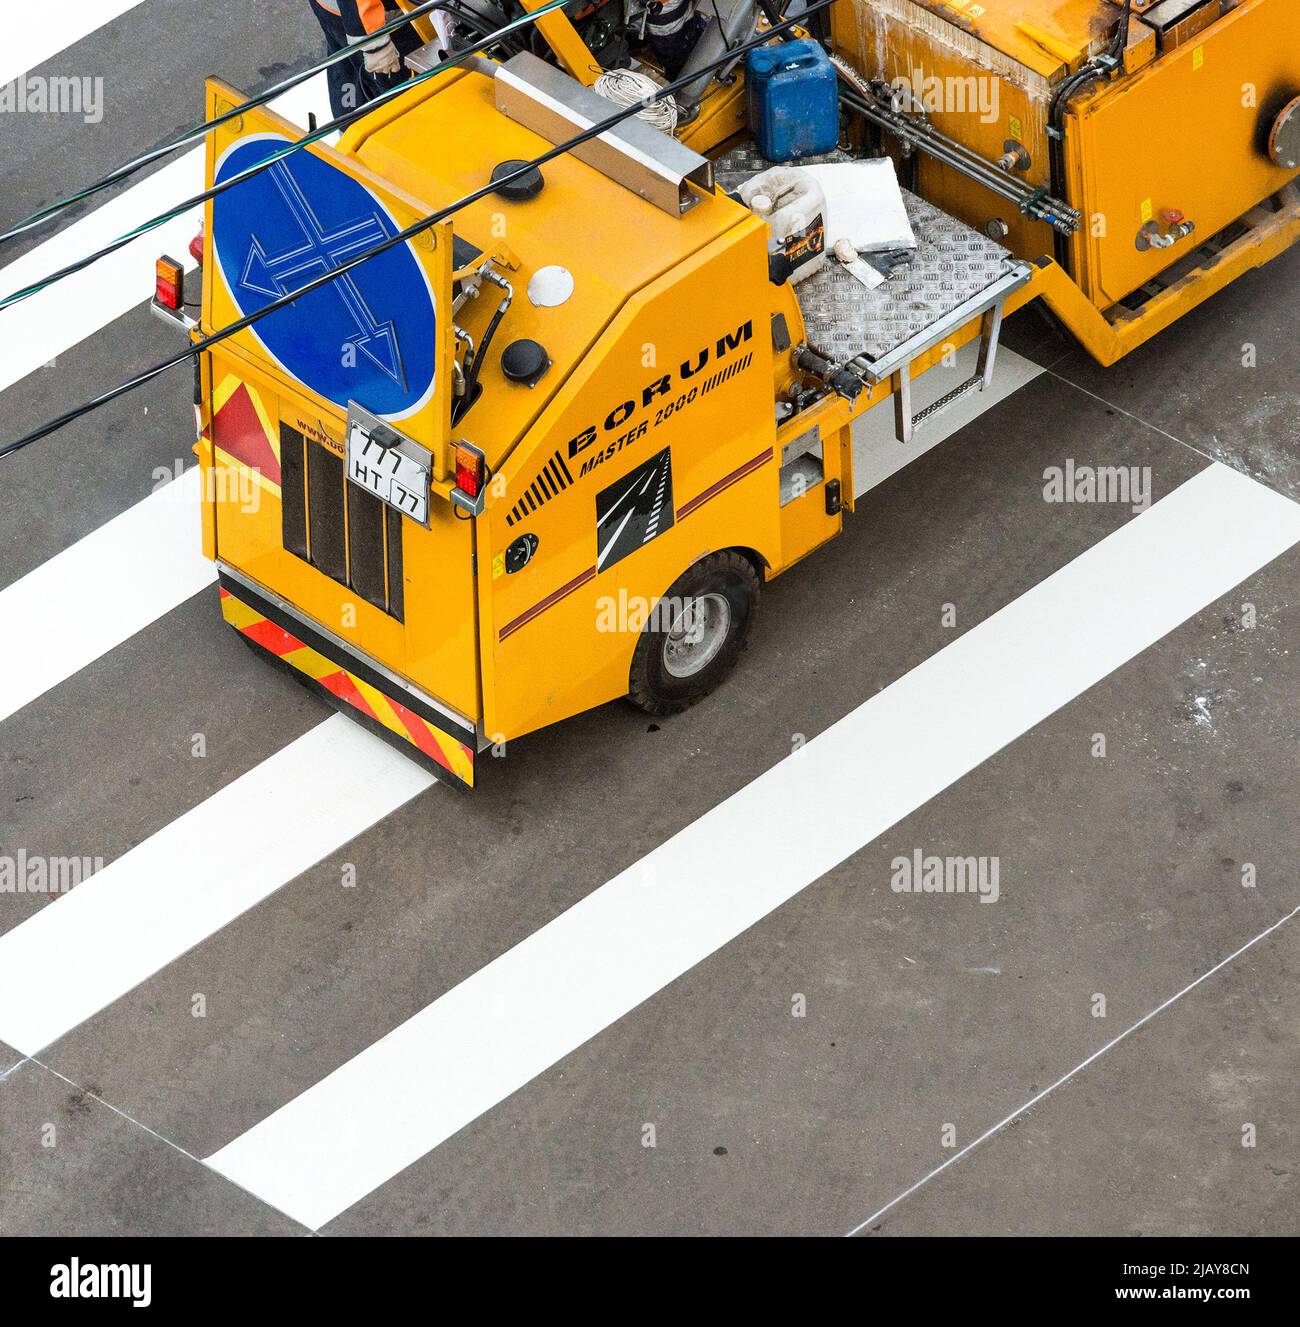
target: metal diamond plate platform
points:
(844, 319)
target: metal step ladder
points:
(988, 306)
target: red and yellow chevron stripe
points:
(244, 433)
(439, 747)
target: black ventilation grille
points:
(293, 491)
(367, 569)
(338, 527)
(326, 531)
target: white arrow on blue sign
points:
(368, 336)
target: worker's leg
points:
(346, 89)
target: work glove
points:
(383, 59)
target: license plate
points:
(392, 467)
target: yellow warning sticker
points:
(498, 566)
(1198, 57)
(1147, 210)
(1015, 126)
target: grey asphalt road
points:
(928, 1019)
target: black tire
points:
(652, 684)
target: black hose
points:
(486, 341)
(462, 407)
(1090, 72)
(1121, 33)
(482, 23)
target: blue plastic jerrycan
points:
(792, 100)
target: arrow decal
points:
(322, 250)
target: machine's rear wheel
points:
(695, 634)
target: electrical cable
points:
(323, 131)
(401, 237)
(115, 176)
(628, 87)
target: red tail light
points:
(169, 283)
(196, 247)
(471, 466)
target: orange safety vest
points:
(359, 16)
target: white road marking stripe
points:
(90, 946)
(614, 506)
(91, 597)
(48, 324)
(143, 563)
(613, 539)
(36, 33)
(654, 514)
(515, 1018)
(1072, 1073)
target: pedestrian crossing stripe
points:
(710, 883)
(449, 758)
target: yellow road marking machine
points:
(544, 453)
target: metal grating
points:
(844, 319)
(339, 528)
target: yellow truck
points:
(545, 454)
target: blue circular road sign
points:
(367, 336)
